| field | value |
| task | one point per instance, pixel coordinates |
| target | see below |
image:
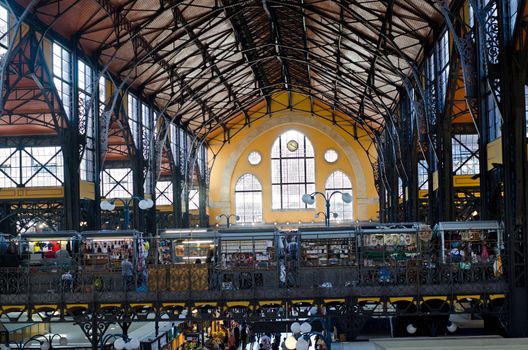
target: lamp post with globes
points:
(228, 217)
(121, 342)
(316, 215)
(301, 335)
(310, 199)
(45, 341)
(109, 205)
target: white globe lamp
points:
(452, 327)
(63, 341)
(290, 342)
(306, 198)
(347, 197)
(150, 203)
(302, 344)
(306, 327)
(411, 329)
(295, 328)
(119, 344)
(132, 344)
(104, 205)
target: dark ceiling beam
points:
(307, 54)
(385, 30)
(277, 41)
(346, 79)
(261, 59)
(206, 57)
(244, 39)
(140, 41)
(334, 105)
(338, 49)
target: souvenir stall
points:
(470, 241)
(328, 247)
(247, 248)
(185, 246)
(50, 249)
(105, 249)
(183, 260)
(247, 257)
(388, 245)
(328, 256)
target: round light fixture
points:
(306, 198)
(302, 344)
(411, 329)
(291, 342)
(119, 344)
(63, 341)
(105, 205)
(347, 197)
(331, 156)
(306, 327)
(295, 327)
(292, 145)
(145, 204)
(254, 158)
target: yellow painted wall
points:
(231, 163)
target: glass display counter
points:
(328, 247)
(470, 242)
(107, 249)
(247, 249)
(49, 249)
(388, 245)
(193, 246)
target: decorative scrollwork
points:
(87, 322)
(491, 27)
(106, 117)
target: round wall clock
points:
(292, 145)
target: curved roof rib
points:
(205, 62)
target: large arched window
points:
(292, 170)
(248, 199)
(339, 181)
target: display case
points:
(50, 249)
(388, 245)
(322, 247)
(470, 241)
(107, 249)
(247, 248)
(180, 246)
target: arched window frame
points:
(288, 188)
(345, 211)
(248, 198)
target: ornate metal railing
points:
(28, 281)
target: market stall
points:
(328, 247)
(50, 249)
(184, 257)
(246, 258)
(175, 246)
(105, 249)
(247, 248)
(470, 241)
(388, 245)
